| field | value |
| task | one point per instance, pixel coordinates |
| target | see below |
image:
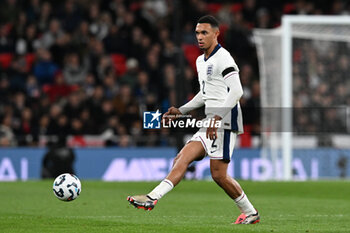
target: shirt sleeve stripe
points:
(229, 76)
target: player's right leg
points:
(192, 151)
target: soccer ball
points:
(66, 187)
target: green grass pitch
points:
(193, 206)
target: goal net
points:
(305, 85)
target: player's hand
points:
(212, 131)
(171, 114)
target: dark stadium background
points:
(90, 67)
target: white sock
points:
(163, 188)
(244, 205)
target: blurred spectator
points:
(27, 129)
(145, 92)
(95, 53)
(251, 109)
(152, 66)
(249, 12)
(4, 89)
(154, 9)
(54, 114)
(69, 15)
(45, 16)
(94, 104)
(263, 18)
(103, 67)
(130, 77)
(88, 123)
(7, 137)
(43, 125)
(224, 15)
(123, 100)
(28, 42)
(8, 11)
(55, 33)
(75, 70)
(124, 141)
(45, 68)
(135, 45)
(74, 105)
(18, 103)
(110, 86)
(107, 110)
(80, 38)
(246, 76)
(33, 10)
(238, 33)
(191, 80)
(77, 127)
(20, 25)
(6, 41)
(89, 85)
(187, 34)
(114, 42)
(169, 94)
(100, 27)
(59, 88)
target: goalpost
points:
(279, 52)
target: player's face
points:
(206, 35)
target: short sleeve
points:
(227, 64)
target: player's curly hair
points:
(209, 19)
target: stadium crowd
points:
(79, 67)
(321, 95)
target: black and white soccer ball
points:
(67, 187)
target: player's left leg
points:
(219, 174)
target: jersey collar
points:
(213, 52)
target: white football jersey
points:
(213, 88)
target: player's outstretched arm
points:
(172, 113)
(196, 102)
